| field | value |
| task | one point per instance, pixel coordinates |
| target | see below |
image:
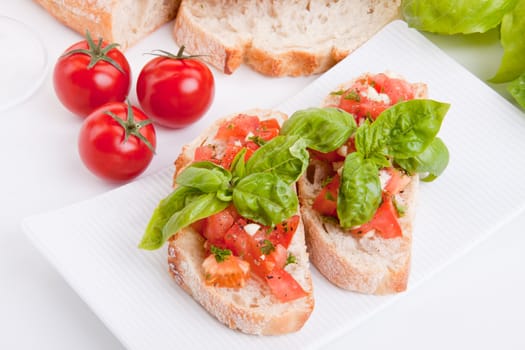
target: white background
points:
(477, 302)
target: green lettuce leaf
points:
(513, 41)
(455, 16)
(517, 90)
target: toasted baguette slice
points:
(369, 264)
(120, 21)
(279, 38)
(251, 309)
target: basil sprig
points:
(260, 188)
(404, 135)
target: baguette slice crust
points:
(369, 264)
(120, 21)
(251, 309)
(279, 38)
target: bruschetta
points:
(235, 236)
(358, 201)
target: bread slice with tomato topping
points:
(371, 255)
(252, 276)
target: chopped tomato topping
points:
(206, 152)
(326, 201)
(397, 182)
(268, 129)
(397, 89)
(284, 286)
(362, 102)
(237, 128)
(264, 251)
(232, 272)
(282, 233)
(214, 227)
(384, 221)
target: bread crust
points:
(369, 264)
(119, 21)
(275, 37)
(264, 314)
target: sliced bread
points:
(117, 21)
(279, 38)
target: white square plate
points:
(93, 244)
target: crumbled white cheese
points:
(342, 151)
(373, 95)
(252, 228)
(384, 177)
(237, 143)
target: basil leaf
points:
(432, 162)
(238, 166)
(407, 128)
(265, 198)
(174, 202)
(198, 208)
(517, 90)
(325, 129)
(283, 156)
(512, 39)
(204, 176)
(359, 192)
(371, 143)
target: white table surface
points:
(477, 302)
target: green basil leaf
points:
(325, 129)
(265, 198)
(359, 192)
(407, 128)
(174, 202)
(431, 163)
(238, 166)
(284, 156)
(517, 90)
(512, 39)
(371, 142)
(204, 176)
(198, 208)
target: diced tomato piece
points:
(237, 128)
(238, 240)
(326, 201)
(206, 152)
(282, 233)
(284, 286)
(199, 225)
(276, 259)
(229, 155)
(385, 221)
(397, 182)
(397, 89)
(268, 129)
(230, 273)
(215, 226)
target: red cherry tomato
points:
(175, 90)
(88, 75)
(117, 141)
